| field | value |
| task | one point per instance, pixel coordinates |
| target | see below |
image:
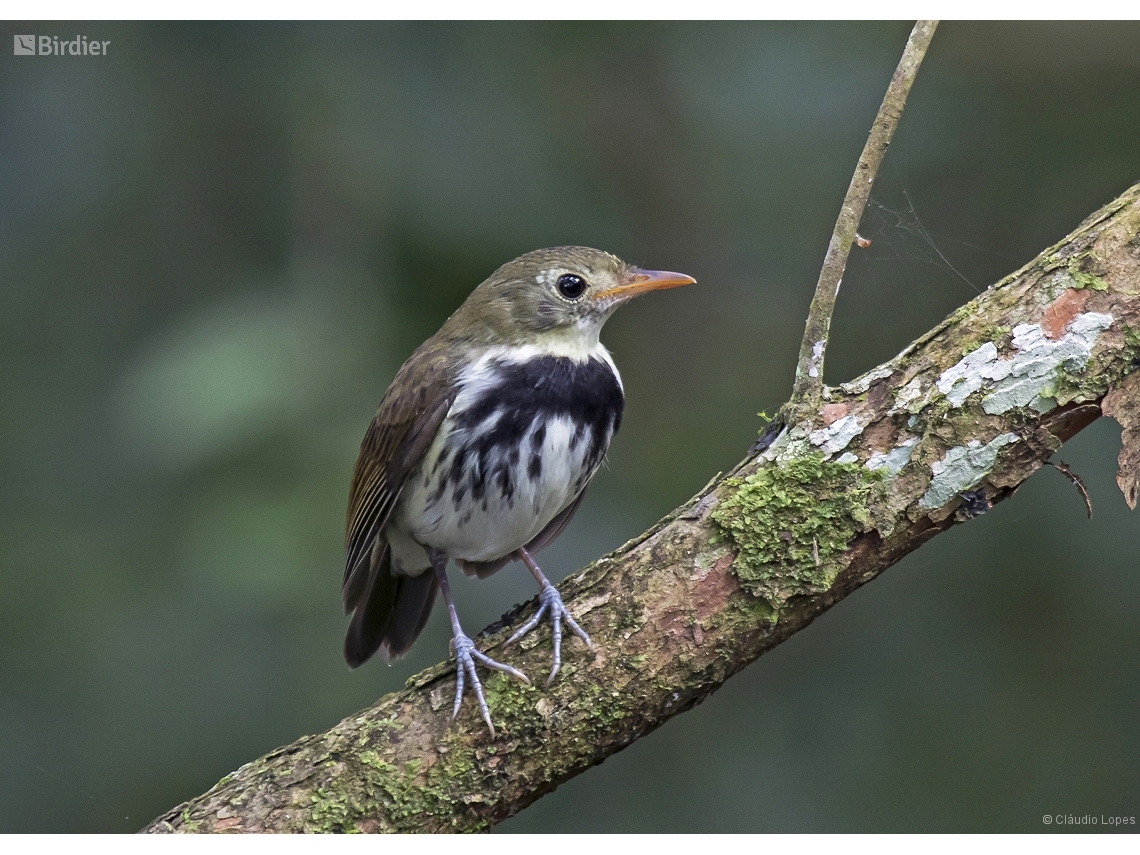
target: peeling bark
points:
(1123, 404)
(668, 610)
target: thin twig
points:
(807, 393)
(1063, 467)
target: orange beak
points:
(639, 281)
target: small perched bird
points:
(482, 448)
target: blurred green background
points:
(218, 243)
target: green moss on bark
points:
(789, 523)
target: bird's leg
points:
(465, 652)
(550, 601)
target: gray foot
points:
(551, 601)
(465, 657)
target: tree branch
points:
(808, 389)
(934, 437)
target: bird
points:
(481, 450)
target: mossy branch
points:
(808, 388)
(933, 438)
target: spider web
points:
(899, 235)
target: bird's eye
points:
(570, 286)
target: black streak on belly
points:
(539, 389)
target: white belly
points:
(515, 501)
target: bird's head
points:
(563, 293)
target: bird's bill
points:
(639, 281)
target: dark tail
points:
(390, 613)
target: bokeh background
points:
(218, 243)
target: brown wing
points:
(405, 424)
(388, 455)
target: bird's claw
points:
(551, 601)
(466, 654)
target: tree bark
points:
(953, 424)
